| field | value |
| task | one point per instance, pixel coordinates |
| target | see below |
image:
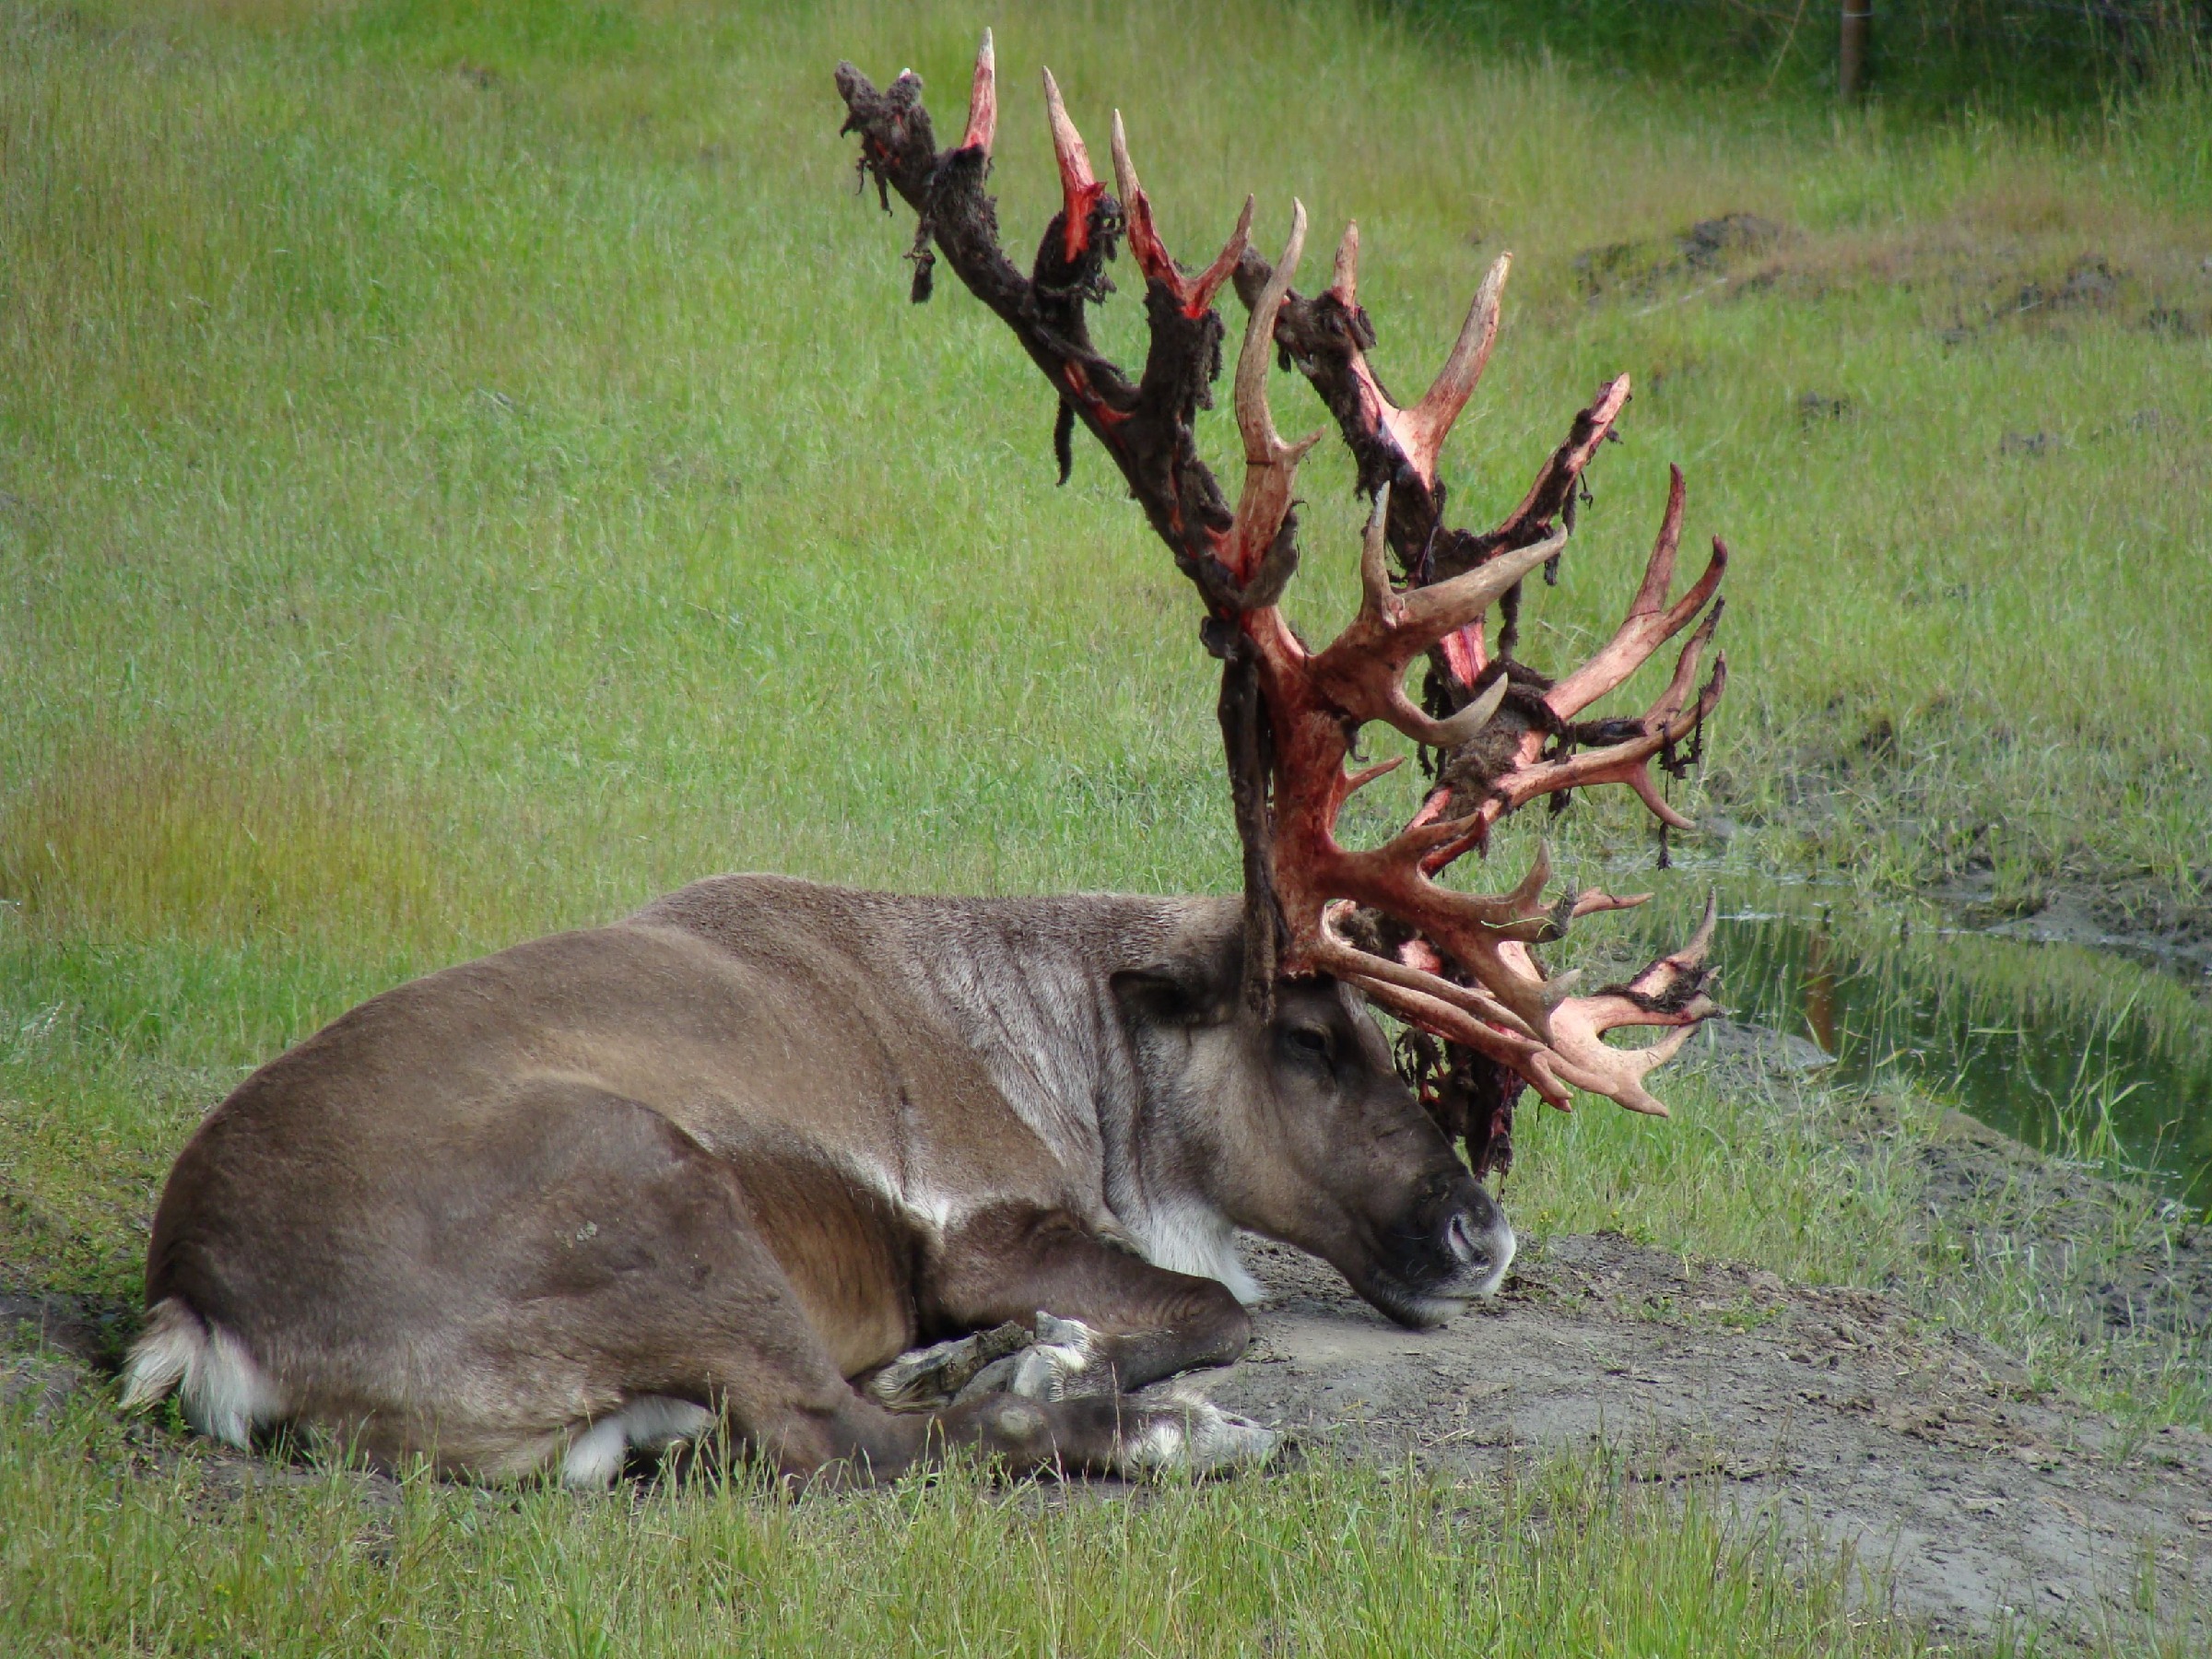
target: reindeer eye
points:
(1311, 1040)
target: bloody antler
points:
(1327, 339)
(1497, 1004)
(1453, 964)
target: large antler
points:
(1497, 1003)
(1452, 964)
(1327, 339)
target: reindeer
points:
(848, 1179)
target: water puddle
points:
(2076, 1050)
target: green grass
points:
(462, 473)
(1327, 1558)
(2024, 57)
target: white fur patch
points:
(1200, 1241)
(1197, 1436)
(937, 1211)
(650, 1423)
(225, 1394)
(595, 1456)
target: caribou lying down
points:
(851, 1178)
(764, 1137)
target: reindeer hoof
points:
(1195, 1437)
(930, 1378)
(1067, 1362)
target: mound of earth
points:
(1970, 1500)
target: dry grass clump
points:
(161, 836)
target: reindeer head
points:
(1293, 1123)
(1456, 967)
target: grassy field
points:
(463, 473)
(1928, 56)
(1329, 1559)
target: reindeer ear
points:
(1196, 986)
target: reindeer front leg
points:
(1111, 1321)
(1066, 1323)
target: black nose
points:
(1461, 1234)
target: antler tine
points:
(1079, 188)
(1462, 728)
(1270, 464)
(1476, 932)
(1671, 991)
(1334, 954)
(1581, 1057)
(1424, 428)
(1446, 607)
(1659, 570)
(1363, 669)
(1207, 283)
(1344, 281)
(1378, 602)
(1651, 621)
(1670, 720)
(1535, 879)
(982, 100)
(1591, 900)
(1418, 432)
(1668, 709)
(1136, 212)
(1192, 294)
(1555, 480)
(1414, 992)
(1626, 763)
(1692, 954)
(1255, 420)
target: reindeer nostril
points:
(1458, 1238)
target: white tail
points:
(226, 1396)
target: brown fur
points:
(763, 1138)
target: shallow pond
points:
(2077, 1050)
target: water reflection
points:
(2071, 1049)
(1819, 991)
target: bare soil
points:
(1968, 1499)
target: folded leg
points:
(1115, 1323)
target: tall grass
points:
(516, 413)
(2011, 55)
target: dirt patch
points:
(1975, 279)
(52, 1346)
(1836, 1411)
(2142, 919)
(1707, 248)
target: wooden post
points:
(1851, 57)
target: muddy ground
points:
(1966, 1500)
